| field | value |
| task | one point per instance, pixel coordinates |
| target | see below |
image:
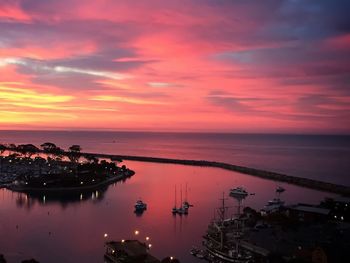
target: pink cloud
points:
(163, 65)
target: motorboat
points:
(140, 206)
(239, 192)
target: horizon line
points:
(175, 132)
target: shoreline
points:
(299, 181)
(69, 189)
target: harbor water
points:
(72, 228)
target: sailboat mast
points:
(181, 194)
(175, 197)
(222, 209)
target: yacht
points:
(238, 192)
(276, 203)
(140, 206)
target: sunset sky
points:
(196, 65)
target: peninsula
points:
(26, 168)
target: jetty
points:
(299, 181)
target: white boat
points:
(140, 206)
(238, 192)
(186, 204)
(277, 201)
(183, 209)
(275, 204)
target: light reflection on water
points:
(71, 229)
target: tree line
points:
(50, 149)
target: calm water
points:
(53, 229)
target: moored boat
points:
(222, 241)
(238, 192)
(174, 210)
(280, 189)
(140, 206)
(274, 204)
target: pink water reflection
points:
(72, 231)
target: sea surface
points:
(71, 229)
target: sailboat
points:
(223, 237)
(186, 204)
(182, 210)
(140, 206)
(174, 210)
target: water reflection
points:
(68, 227)
(64, 199)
